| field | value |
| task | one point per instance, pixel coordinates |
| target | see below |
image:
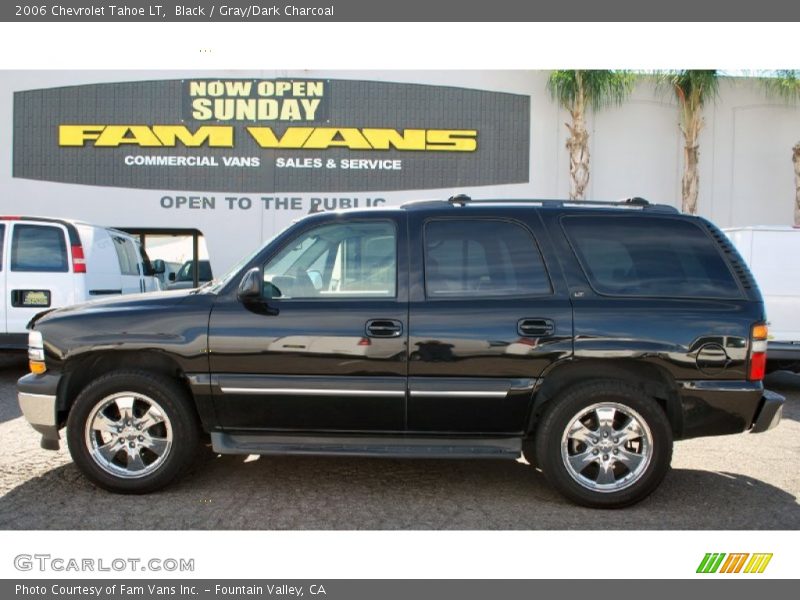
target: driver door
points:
(325, 348)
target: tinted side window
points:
(482, 257)
(646, 256)
(343, 260)
(38, 248)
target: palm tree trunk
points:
(796, 161)
(691, 124)
(691, 177)
(578, 147)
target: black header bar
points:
(401, 11)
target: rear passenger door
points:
(488, 313)
(38, 274)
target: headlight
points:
(36, 352)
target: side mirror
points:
(250, 285)
(159, 266)
(172, 276)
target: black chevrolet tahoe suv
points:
(587, 336)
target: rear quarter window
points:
(649, 256)
(126, 255)
(38, 248)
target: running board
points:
(388, 446)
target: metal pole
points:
(195, 262)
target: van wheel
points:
(604, 444)
(132, 432)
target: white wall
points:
(746, 175)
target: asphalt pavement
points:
(731, 482)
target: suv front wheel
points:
(132, 432)
(604, 444)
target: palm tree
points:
(786, 85)
(576, 91)
(692, 89)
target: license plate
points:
(31, 298)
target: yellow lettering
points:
(290, 111)
(222, 136)
(197, 88)
(201, 109)
(344, 137)
(238, 88)
(116, 135)
(313, 88)
(267, 109)
(76, 135)
(294, 137)
(211, 135)
(310, 108)
(453, 140)
(383, 139)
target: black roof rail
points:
(460, 199)
(633, 202)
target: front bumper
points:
(38, 400)
(724, 407)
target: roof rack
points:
(633, 202)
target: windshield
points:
(185, 274)
(217, 284)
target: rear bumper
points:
(769, 412)
(38, 401)
(725, 407)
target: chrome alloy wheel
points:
(128, 435)
(607, 447)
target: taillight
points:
(78, 261)
(758, 352)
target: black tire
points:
(178, 432)
(630, 404)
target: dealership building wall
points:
(746, 175)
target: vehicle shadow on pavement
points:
(227, 492)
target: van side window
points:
(646, 256)
(38, 248)
(482, 257)
(126, 255)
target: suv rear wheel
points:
(604, 444)
(132, 431)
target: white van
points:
(773, 255)
(49, 263)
